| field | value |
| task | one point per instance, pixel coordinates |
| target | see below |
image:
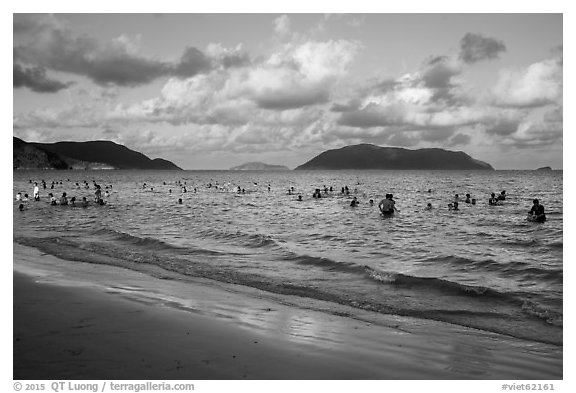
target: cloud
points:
(539, 84)
(282, 25)
(374, 115)
(357, 21)
(535, 135)
(437, 135)
(228, 58)
(402, 140)
(503, 127)
(44, 42)
(439, 71)
(475, 48)
(36, 80)
(296, 76)
(460, 139)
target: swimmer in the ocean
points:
(386, 205)
(467, 198)
(429, 206)
(493, 200)
(502, 196)
(536, 213)
(354, 202)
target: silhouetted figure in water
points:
(492, 201)
(536, 213)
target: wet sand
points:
(84, 321)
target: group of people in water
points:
(64, 199)
(386, 206)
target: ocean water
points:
(484, 266)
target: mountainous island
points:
(544, 169)
(367, 156)
(82, 155)
(259, 166)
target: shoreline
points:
(76, 320)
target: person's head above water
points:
(536, 201)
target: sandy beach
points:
(75, 320)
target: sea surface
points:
(484, 267)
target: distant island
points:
(544, 168)
(82, 155)
(368, 156)
(259, 166)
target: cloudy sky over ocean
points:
(217, 90)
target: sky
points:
(212, 91)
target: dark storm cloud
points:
(36, 80)
(192, 62)
(460, 139)
(236, 60)
(503, 127)
(537, 137)
(475, 47)
(438, 73)
(351, 105)
(291, 99)
(53, 46)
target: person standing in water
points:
(36, 192)
(493, 200)
(386, 205)
(536, 213)
(63, 199)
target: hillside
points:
(259, 166)
(27, 156)
(366, 156)
(82, 155)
